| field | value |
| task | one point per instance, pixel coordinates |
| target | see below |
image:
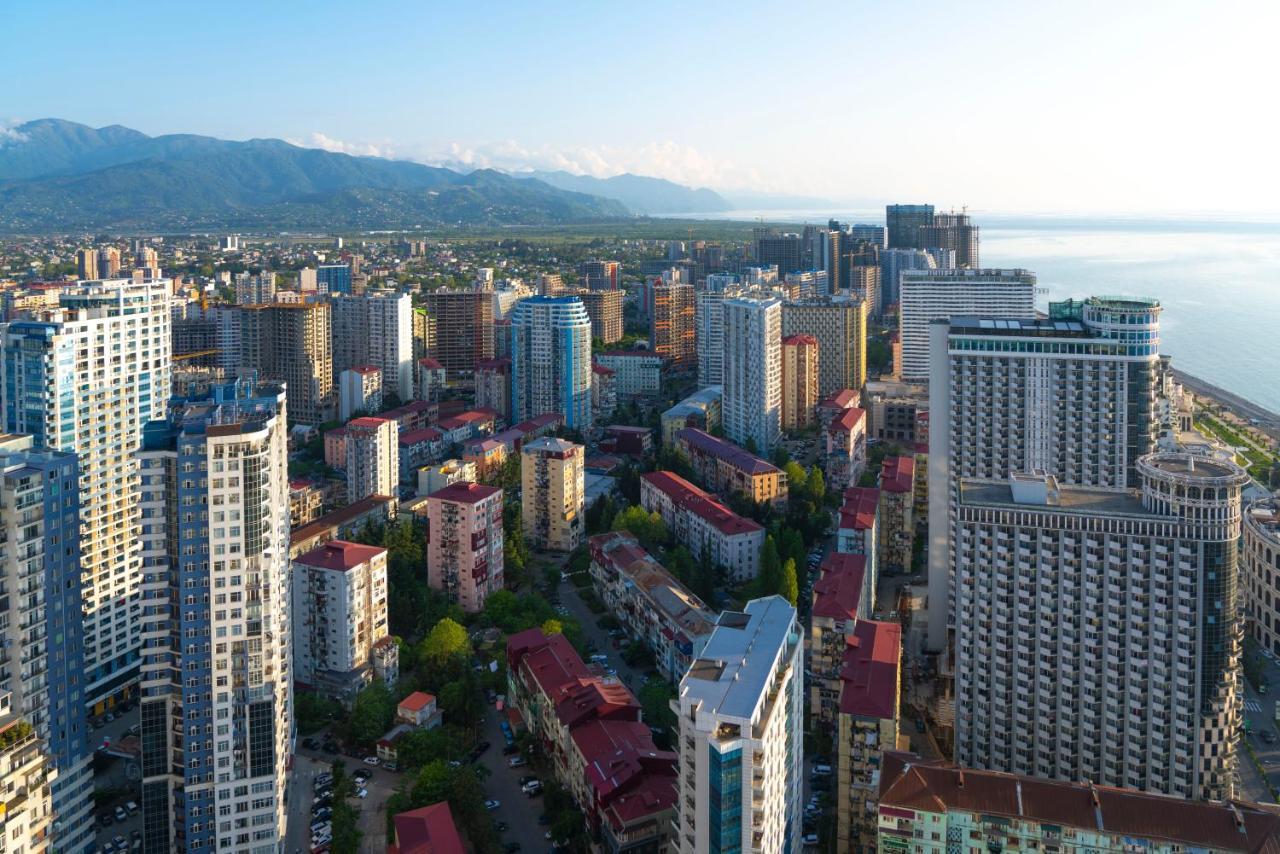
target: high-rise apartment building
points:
(108, 262)
(903, 224)
(255, 288)
(28, 823)
(1260, 557)
(376, 328)
(87, 379)
(292, 344)
(551, 360)
(929, 295)
(799, 380)
(333, 278)
(601, 275)
(424, 334)
(839, 323)
(1051, 581)
(786, 251)
(464, 328)
(87, 264)
(895, 262)
(671, 325)
(493, 387)
(464, 543)
(339, 617)
(752, 404)
(359, 390)
(372, 458)
(217, 682)
(741, 714)
(44, 675)
(604, 307)
(553, 494)
(709, 332)
(952, 232)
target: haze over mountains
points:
(57, 175)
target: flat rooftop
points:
(1071, 499)
(732, 675)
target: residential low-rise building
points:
(414, 415)
(306, 502)
(419, 448)
(845, 450)
(339, 612)
(724, 467)
(427, 830)
(704, 525)
(604, 391)
(429, 379)
(467, 425)
(627, 439)
(923, 803)
(833, 405)
(487, 455)
(637, 373)
(335, 447)
(859, 529)
(464, 543)
(344, 522)
(436, 477)
(652, 606)
(893, 411)
(420, 710)
(841, 597)
(493, 386)
(897, 505)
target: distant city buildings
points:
(376, 328)
(333, 279)
(601, 275)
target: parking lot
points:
(517, 810)
(370, 811)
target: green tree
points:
(552, 627)
(445, 642)
(791, 545)
(682, 565)
(750, 445)
(790, 587)
(647, 527)
(781, 456)
(816, 486)
(796, 478)
(770, 579)
(372, 713)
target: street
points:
(1259, 711)
(519, 811)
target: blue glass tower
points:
(334, 278)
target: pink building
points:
(464, 542)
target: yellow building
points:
(840, 325)
(723, 467)
(554, 493)
(799, 381)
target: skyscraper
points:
(291, 344)
(463, 322)
(895, 262)
(217, 706)
(553, 494)
(787, 251)
(551, 360)
(929, 295)
(752, 404)
(88, 379)
(87, 264)
(44, 675)
(108, 262)
(903, 224)
(376, 328)
(671, 325)
(953, 232)
(604, 307)
(741, 713)
(601, 275)
(255, 288)
(839, 323)
(709, 333)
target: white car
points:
(492, 805)
(516, 761)
(362, 793)
(371, 760)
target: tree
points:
(446, 640)
(790, 587)
(796, 478)
(372, 713)
(552, 627)
(816, 486)
(791, 545)
(647, 527)
(750, 445)
(781, 456)
(681, 564)
(770, 578)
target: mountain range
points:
(57, 175)
(641, 194)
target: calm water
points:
(1218, 280)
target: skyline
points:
(1098, 118)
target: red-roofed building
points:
(871, 684)
(306, 502)
(419, 709)
(464, 543)
(860, 523)
(628, 440)
(488, 455)
(339, 611)
(414, 415)
(701, 522)
(845, 451)
(419, 448)
(429, 379)
(590, 728)
(897, 505)
(428, 830)
(724, 467)
(841, 597)
(830, 408)
(467, 425)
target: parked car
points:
(120, 814)
(362, 793)
(492, 805)
(516, 761)
(810, 839)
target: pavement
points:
(518, 810)
(1260, 711)
(371, 811)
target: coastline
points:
(1268, 421)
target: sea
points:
(1217, 278)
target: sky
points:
(1072, 106)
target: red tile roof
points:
(838, 593)
(417, 701)
(869, 671)
(843, 399)
(428, 830)
(366, 369)
(602, 370)
(368, 422)
(430, 363)
(340, 555)
(463, 492)
(848, 420)
(689, 497)
(897, 474)
(426, 434)
(860, 507)
(910, 783)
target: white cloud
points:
(9, 133)
(674, 161)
